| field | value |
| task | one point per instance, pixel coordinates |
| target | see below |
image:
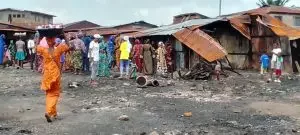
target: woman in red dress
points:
(136, 55)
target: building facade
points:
(24, 18)
(289, 19)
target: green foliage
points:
(262, 3)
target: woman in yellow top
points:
(124, 56)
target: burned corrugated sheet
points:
(268, 10)
(240, 24)
(278, 27)
(201, 43)
(171, 29)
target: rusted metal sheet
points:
(269, 10)
(110, 31)
(278, 27)
(201, 43)
(241, 27)
(240, 23)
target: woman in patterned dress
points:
(103, 60)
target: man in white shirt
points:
(94, 57)
(31, 47)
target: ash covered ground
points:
(236, 105)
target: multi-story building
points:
(25, 18)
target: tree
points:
(263, 3)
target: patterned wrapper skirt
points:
(20, 56)
(77, 59)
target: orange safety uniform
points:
(51, 76)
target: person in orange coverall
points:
(51, 75)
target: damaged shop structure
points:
(12, 32)
(237, 41)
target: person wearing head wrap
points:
(129, 45)
(111, 51)
(118, 42)
(124, 57)
(103, 59)
(94, 57)
(169, 57)
(147, 54)
(51, 72)
(2, 44)
(77, 55)
(12, 51)
(85, 63)
(161, 58)
(136, 53)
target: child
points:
(264, 60)
(278, 71)
(218, 70)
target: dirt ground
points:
(237, 105)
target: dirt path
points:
(237, 105)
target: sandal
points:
(48, 118)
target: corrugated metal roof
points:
(268, 10)
(75, 26)
(10, 27)
(201, 43)
(171, 29)
(109, 31)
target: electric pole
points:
(220, 7)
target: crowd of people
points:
(95, 55)
(50, 52)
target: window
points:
(278, 17)
(18, 16)
(297, 21)
(23, 15)
(14, 15)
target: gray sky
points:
(114, 12)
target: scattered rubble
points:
(25, 131)
(201, 71)
(123, 118)
(153, 108)
(154, 133)
(126, 84)
(187, 114)
(175, 132)
(74, 84)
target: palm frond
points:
(262, 3)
